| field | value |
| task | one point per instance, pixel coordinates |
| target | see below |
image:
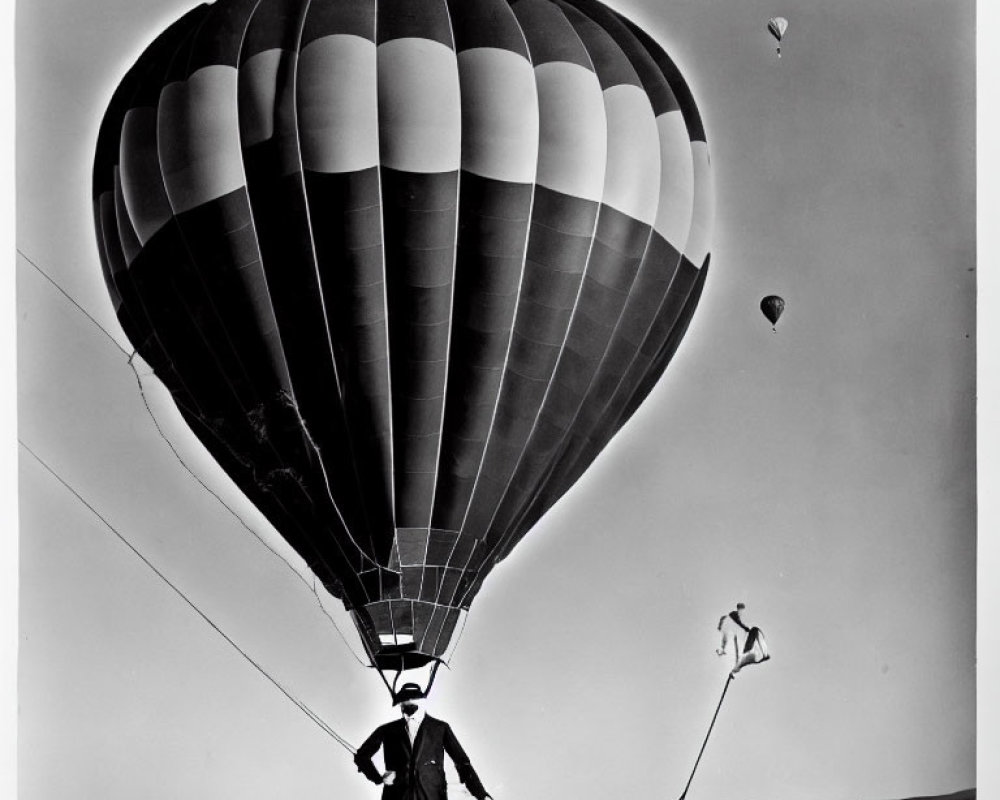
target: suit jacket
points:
(419, 767)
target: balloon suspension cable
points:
(399, 673)
(430, 682)
(729, 679)
(391, 687)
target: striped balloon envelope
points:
(406, 267)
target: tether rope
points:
(301, 705)
(142, 392)
(80, 308)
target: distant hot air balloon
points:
(772, 307)
(777, 26)
(405, 273)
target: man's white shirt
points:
(413, 723)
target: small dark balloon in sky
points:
(772, 307)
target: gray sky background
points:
(825, 475)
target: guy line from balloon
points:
(131, 361)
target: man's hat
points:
(408, 691)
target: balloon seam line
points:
(326, 321)
(513, 319)
(451, 311)
(388, 408)
(562, 348)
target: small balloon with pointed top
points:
(777, 26)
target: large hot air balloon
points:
(405, 270)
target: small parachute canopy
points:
(754, 651)
(777, 26)
(772, 307)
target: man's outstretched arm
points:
(363, 758)
(463, 765)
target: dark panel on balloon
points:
(661, 97)
(412, 576)
(439, 628)
(402, 616)
(178, 66)
(430, 584)
(370, 580)
(347, 235)
(679, 86)
(485, 23)
(649, 380)
(348, 17)
(440, 546)
(220, 238)
(550, 36)
(281, 220)
(619, 245)
(447, 630)
(422, 19)
(491, 245)
(276, 24)
(110, 245)
(450, 579)
(131, 315)
(220, 37)
(667, 349)
(381, 616)
(456, 576)
(609, 62)
(641, 369)
(655, 308)
(412, 546)
(559, 244)
(391, 584)
(105, 258)
(432, 632)
(420, 213)
(164, 287)
(284, 236)
(654, 303)
(292, 516)
(167, 290)
(422, 613)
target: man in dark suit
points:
(413, 750)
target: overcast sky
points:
(824, 474)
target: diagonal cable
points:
(131, 362)
(301, 705)
(69, 297)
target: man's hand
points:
(389, 778)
